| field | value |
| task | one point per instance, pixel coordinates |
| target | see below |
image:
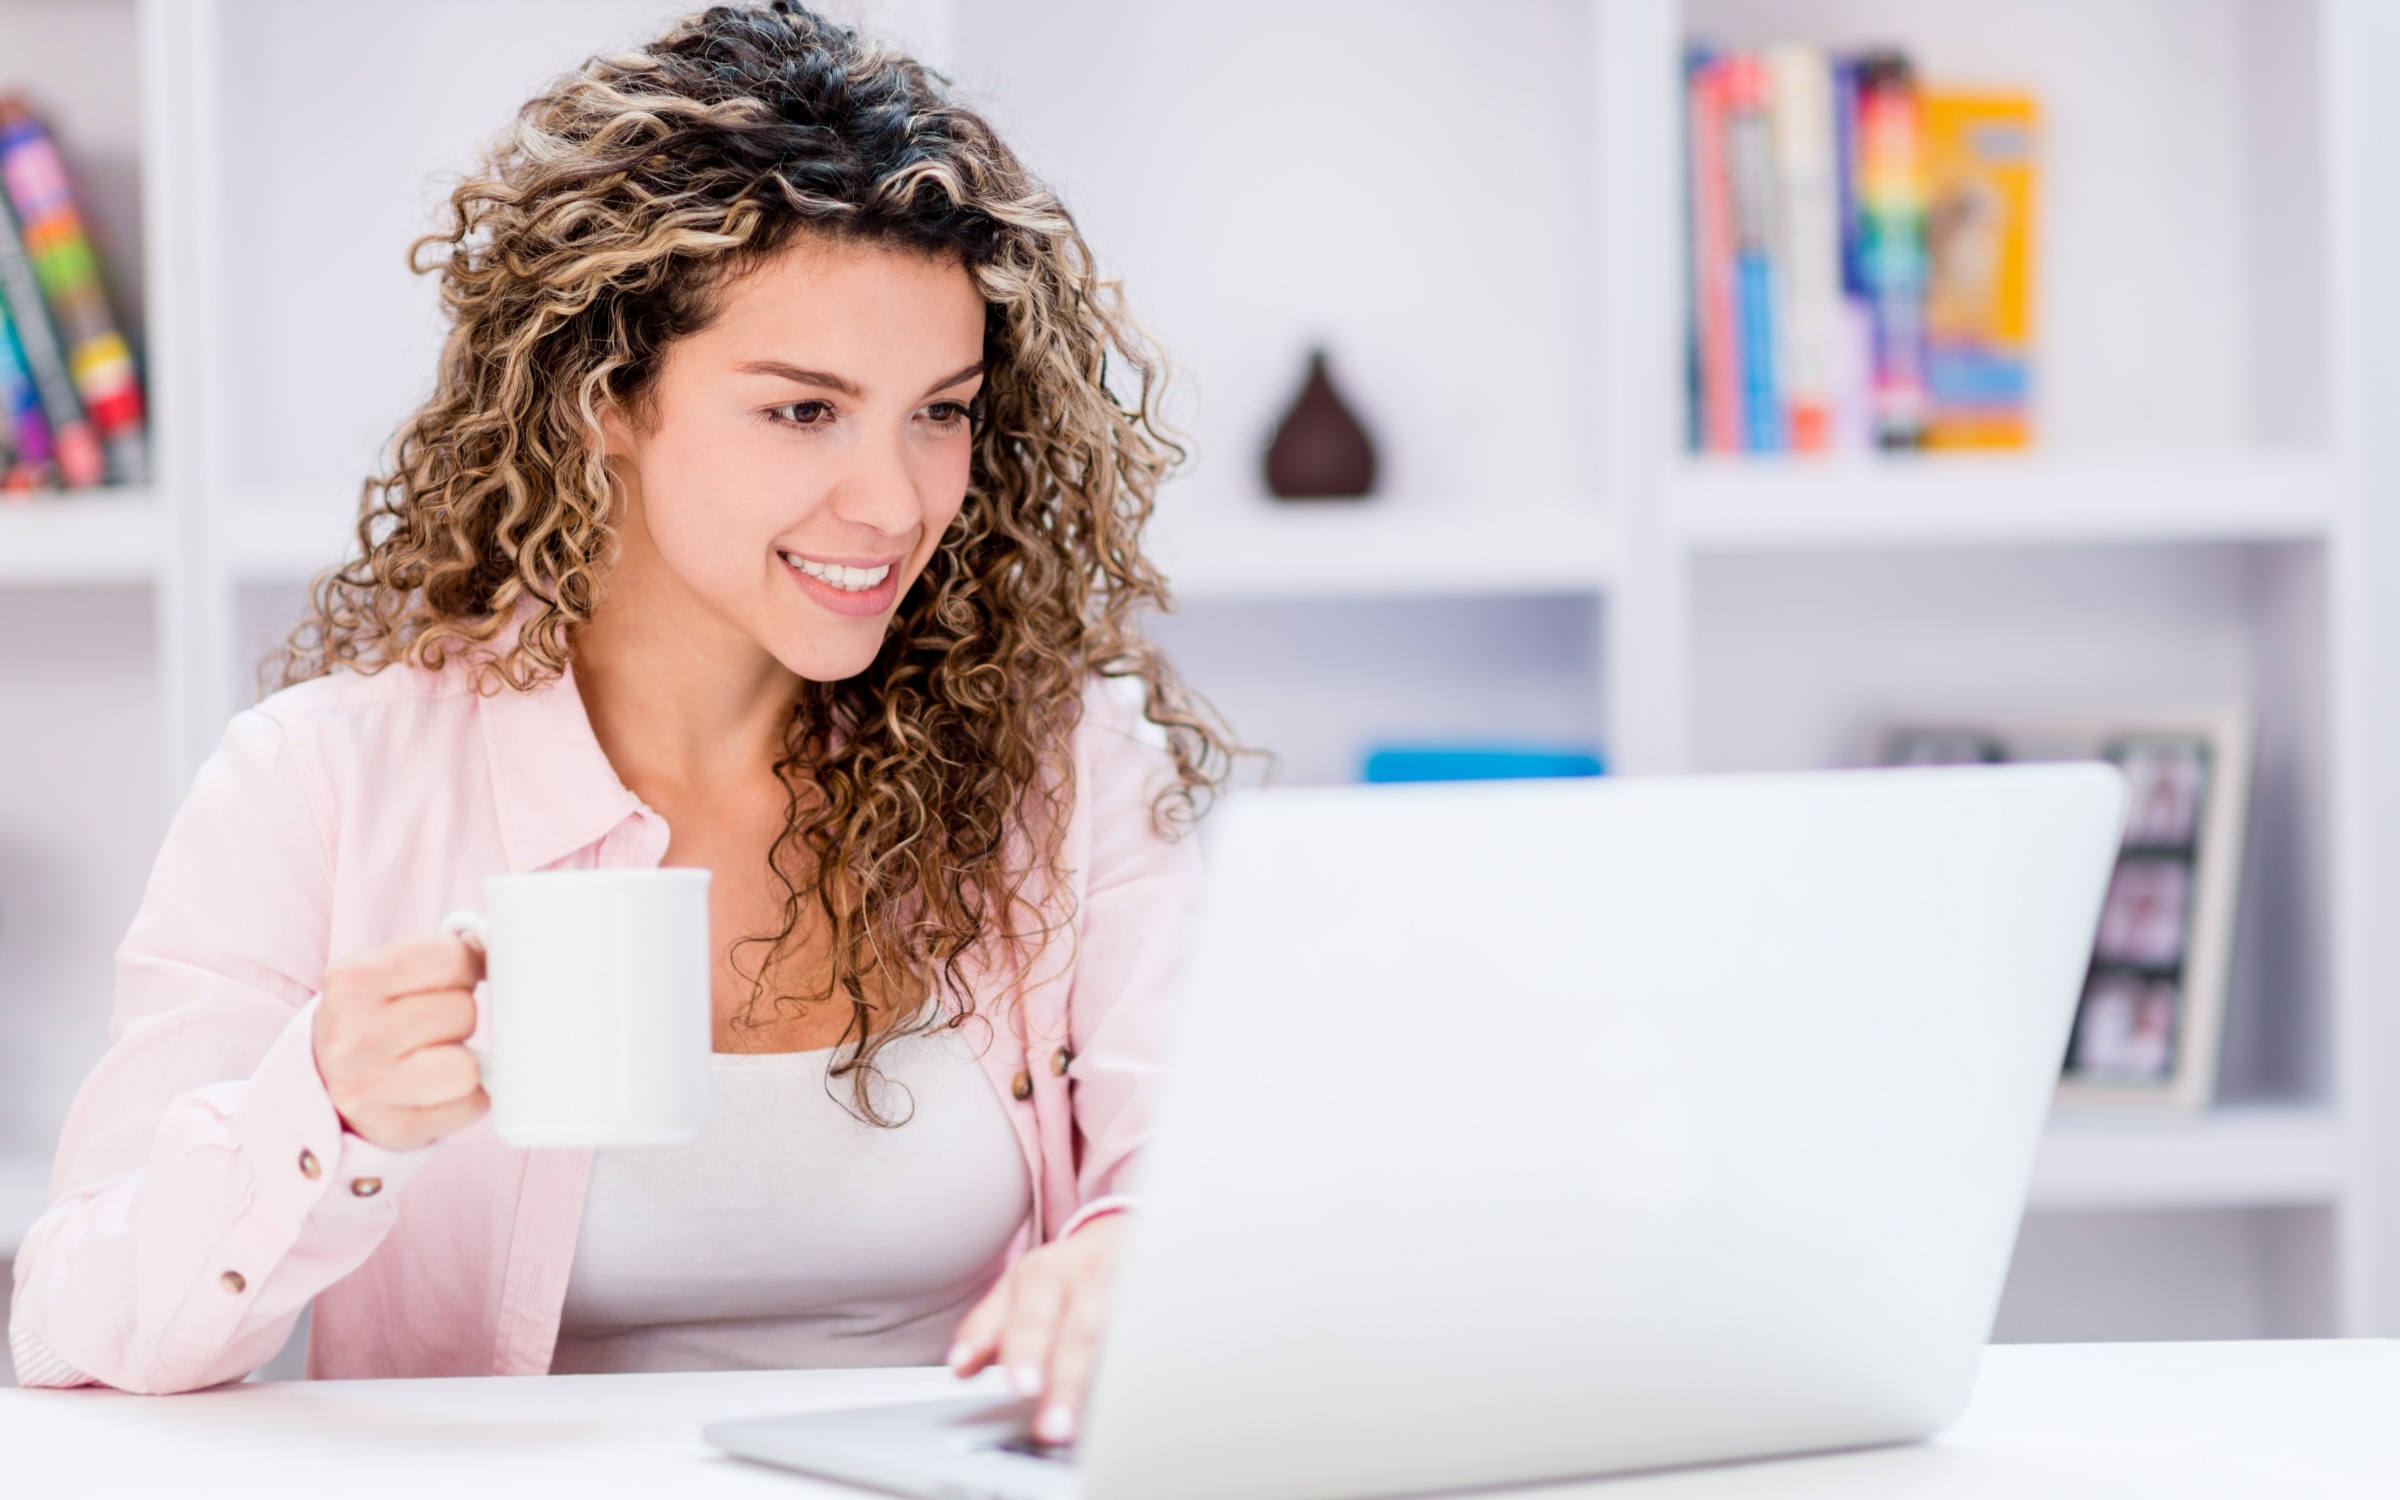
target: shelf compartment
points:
(1960, 500)
(1370, 549)
(2233, 1157)
(103, 536)
(1466, 344)
(2186, 261)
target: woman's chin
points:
(813, 657)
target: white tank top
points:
(793, 1234)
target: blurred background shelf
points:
(1962, 500)
(2235, 1157)
(1381, 548)
(94, 537)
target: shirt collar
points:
(552, 785)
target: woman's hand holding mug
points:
(391, 1041)
(599, 1034)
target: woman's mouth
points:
(845, 588)
(841, 576)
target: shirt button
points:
(365, 1187)
(1023, 1086)
(308, 1166)
(1059, 1061)
(234, 1282)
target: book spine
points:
(1809, 242)
(1716, 350)
(24, 431)
(1891, 227)
(77, 447)
(98, 358)
(1980, 169)
(16, 474)
(1854, 408)
(1749, 158)
(1845, 174)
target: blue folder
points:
(1476, 763)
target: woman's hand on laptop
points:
(1042, 1323)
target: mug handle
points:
(469, 927)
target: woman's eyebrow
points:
(967, 374)
(799, 376)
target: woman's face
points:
(800, 457)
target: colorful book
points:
(1750, 170)
(98, 357)
(1891, 245)
(75, 447)
(1716, 339)
(26, 458)
(1854, 414)
(1980, 178)
(1808, 243)
(1845, 174)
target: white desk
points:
(2252, 1420)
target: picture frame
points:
(2150, 1026)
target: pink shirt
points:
(206, 1192)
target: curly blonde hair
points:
(928, 793)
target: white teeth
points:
(848, 580)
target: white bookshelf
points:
(1501, 291)
(113, 537)
(1344, 550)
(1959, 500)
(2230, 1158)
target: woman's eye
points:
(949, 413)
(803, 413)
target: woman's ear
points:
(619, 437)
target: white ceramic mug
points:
(597, 1025)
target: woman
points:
(772, 515)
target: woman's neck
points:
(680, 698)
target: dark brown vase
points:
(1320, 452)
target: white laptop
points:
(1534, 1130)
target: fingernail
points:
(1056, 1424)
(960, 1353)
(1026, 1381)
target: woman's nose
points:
(879, 491)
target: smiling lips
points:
(843, 588)
(835, 575)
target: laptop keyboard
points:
(1027, 1446)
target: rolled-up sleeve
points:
(205, 1189)
(1140, 889)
